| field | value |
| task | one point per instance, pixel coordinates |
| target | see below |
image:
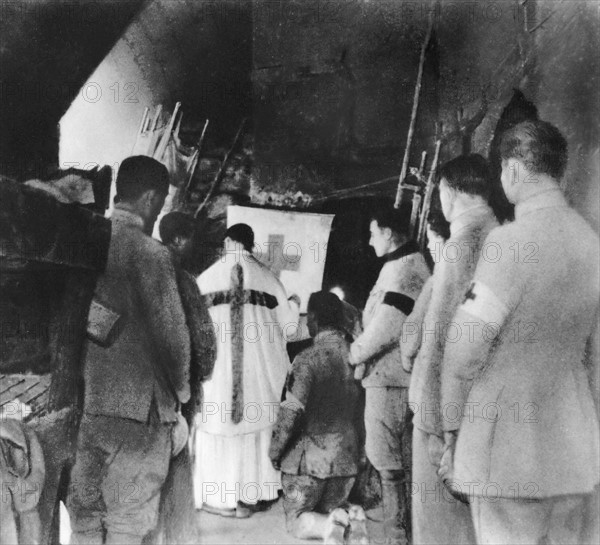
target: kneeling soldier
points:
(315, 438)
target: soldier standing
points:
(377, 351)
(136, 371)
(521, 429)
(464, 191)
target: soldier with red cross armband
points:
(520, 425)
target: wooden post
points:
(219, 176)
(166, 136)
(154, 124)
(417, 198)
(428, 193)
(188, 184)
(144, 120)
(413, 116)
(416, 205)
(422, 165)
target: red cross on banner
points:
(277, 259)
(292, 244)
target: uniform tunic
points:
(322, 382)
(319, 464)
(390, 301)
(134, 381)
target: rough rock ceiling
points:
(47, 50)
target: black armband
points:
(399, 301)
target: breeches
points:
(119, 470)
(388, 440)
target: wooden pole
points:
(413, 117)
(166, 136)
(414, 213)
(154, 123)
(188, 184)
(144, 119)
(422, 165)
(201, 141)
(219, 176)
(428, 193)
(142, 129)
(416, 198)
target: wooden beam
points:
(415, 107)
(428, 193)
(221, 173)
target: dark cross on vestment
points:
(470, 293)
(236, 314)
(279, 261)
(236, 297)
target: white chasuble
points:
(252, 319)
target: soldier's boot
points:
(358, 526)
(395, 507)
(311, 525)
(336, 529)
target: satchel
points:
(102, 324)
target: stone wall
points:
(546, 48)
(333, 88)
(328, 85)
(333, 85)
(565, 85)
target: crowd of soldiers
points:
(480, 379)
(493, 359)
(499, 358)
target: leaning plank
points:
(8, 381)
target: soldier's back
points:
(535, 420)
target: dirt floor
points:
(263, 529)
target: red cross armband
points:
(482, 303)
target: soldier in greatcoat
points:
(439, 518)
(521, 428)
(135, 370)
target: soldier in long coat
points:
(438, 518)
(521, 428)
(136, 371)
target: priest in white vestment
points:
(253, 318)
